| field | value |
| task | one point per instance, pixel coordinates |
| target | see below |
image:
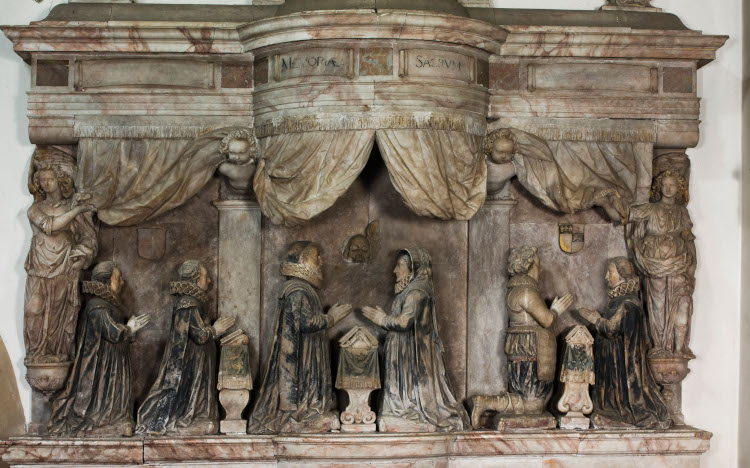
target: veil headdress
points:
(421, 268)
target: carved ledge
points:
(331, 448)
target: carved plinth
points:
(358, 374)
(358, 416)
(669, 372)
(576, 375)
(47, 377)
(235, 382)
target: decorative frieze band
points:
(360, 121)
(583, 130)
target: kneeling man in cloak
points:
(416, 394)
(297, 391)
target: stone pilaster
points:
(239, 281)
(489, 242)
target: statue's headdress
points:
(298, 263)
(420, 263)
(55, 159)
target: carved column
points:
(240, 241)
(489, 241)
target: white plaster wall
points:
(711, 392)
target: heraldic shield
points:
(571, 238)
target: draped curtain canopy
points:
(439, 172)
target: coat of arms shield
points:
(571, 238)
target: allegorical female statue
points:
(416, 395)
(530, 344)
(660, 235)
(63, 243)
(625, 392)
(97, 400)
(297, 390)
(184, 397)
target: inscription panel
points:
(163, 73)
(439, 64)
(593, 77)
(314, 62)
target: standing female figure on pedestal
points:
(663, 244)
(63, 243)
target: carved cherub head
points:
(499, 146)
(670, 184)
(239, 147)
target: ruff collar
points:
(100, 290)
(522, 280)
(630, 286)
(188, 288)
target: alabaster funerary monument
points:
(330, 233)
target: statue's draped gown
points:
(52, 298)
(184, 393)
(297, 385)
(415, 385)
(661, 239)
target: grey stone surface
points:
(487, 316)
(239, 265)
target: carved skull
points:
(358, 249)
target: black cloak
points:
(97, 396)
(625, 390)
(297, 385)
(184, 393)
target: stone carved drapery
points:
(439, 173)
(134, 180)
(571, 176)
(300, 175)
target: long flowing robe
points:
(184, 392)
(624, 389)
(52, 299)
(297, 385)
(415, 385)
(97, 396)
(664, 250)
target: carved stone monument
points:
(359, 374)
(228, 132)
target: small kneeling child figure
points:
(97, 400)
